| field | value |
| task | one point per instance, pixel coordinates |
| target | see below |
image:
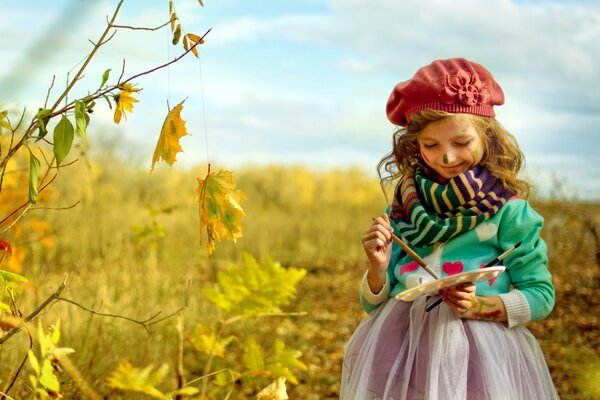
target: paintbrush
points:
(490, 264)
(414, 256)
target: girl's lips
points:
(453, 167)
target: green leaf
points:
(80, 119)
(253, 357)
(47, 377)
(34, 172)
(284, 361)
(63, 139)
(105, 76)
(12, 277)
(42, 117)
(127, 377)
(254, 288)
(33, 361)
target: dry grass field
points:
(130, 248)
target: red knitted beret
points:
(453, 85)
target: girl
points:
(457, 206)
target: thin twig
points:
(180, 372)
(14, 379)
(35, 312)
(135, 28)
(172, 61)
(89, 58)
(144, 323)
(56, 208)
(49, 90)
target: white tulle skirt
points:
(401, 352)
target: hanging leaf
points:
(196, 41)
(219, 209)
(63, 139)
(124, 101)
(34, 171)
(201, 3)
(177, 34)
(172, 130)
(80, 119)
(170, 6)
(173, 19)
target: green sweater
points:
(525, 286)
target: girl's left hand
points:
(460, 298)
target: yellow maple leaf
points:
(125, 101)
(219, 208)
(172, 130)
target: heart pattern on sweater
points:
(491, 280)
(410, 267)
(453, 268)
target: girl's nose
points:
(448, 158)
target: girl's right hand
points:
(377, 243)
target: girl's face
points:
(450, 146)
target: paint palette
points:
(468, 276)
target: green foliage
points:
(44, 380)
(207, 341)
(280, 364)
(254, 289)
(129, 378)
(9, 288)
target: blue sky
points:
(306, 82)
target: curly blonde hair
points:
(501, 156)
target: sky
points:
(306, 81)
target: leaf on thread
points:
(177, 34)
(172, 130)
(219, 209)
(196, 41)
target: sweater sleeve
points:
(533, 295)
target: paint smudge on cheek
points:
(423, 156)
(477, 152)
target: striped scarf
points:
(427, 212)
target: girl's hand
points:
(462, 300)
(459, 298)
(377, 243)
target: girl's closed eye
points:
(429, 145)
(464, 143)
